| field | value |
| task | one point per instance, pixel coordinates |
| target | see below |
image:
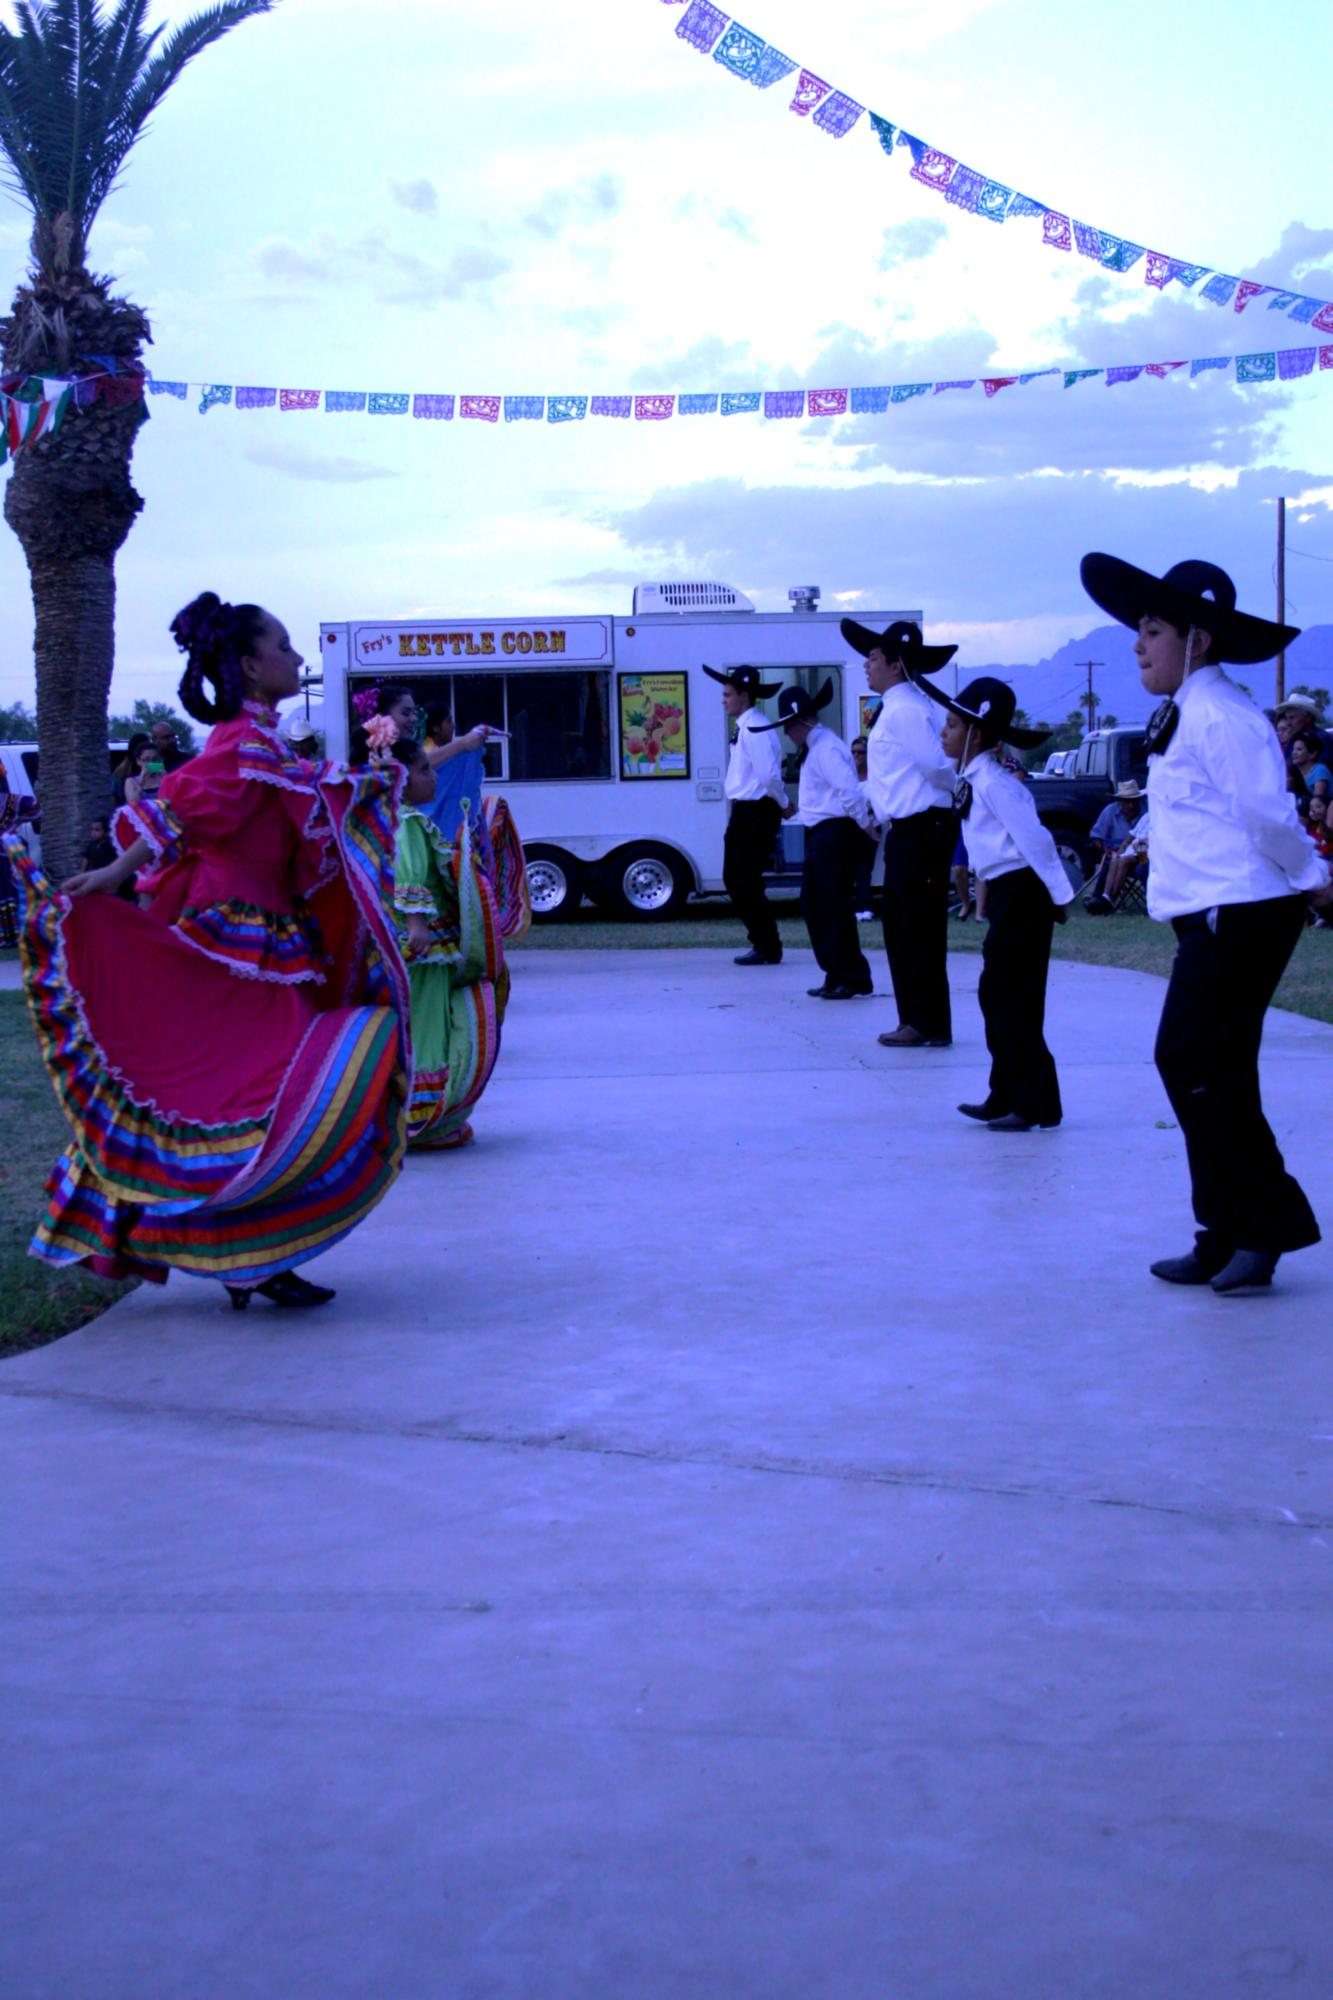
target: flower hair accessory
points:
(366, 701)
(381, 732)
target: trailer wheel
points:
(643, 885)
(555, 884)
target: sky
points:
(515, 197)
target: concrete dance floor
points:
(741, 1531)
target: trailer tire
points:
(644, 884)
(555, 884)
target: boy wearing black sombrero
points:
(837, 820)
(909, 782)
(758, 804)
(1027, 893)
(1231, 872)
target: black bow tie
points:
(1161, 727)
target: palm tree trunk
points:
(71, 504)
(73, 652)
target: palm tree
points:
(79, 80)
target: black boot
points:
(284, 1290)
(1247, 1271)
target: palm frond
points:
(181, 47)
(79, 80)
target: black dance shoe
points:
(844, 992)
(284, 1290)
(1248, 1271)
(757, 958)
(1014, 1121)
(985, 1113)
(1186, 1270)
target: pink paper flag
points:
(485, 408)
(652, 409)
(809, 91)
(299, 399)
(827, 402)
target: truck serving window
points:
(558, 722)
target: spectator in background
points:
(17, 811)
(1112, 830)
(167, 745)
(1314, 778)
(146, 776)
(128, 767)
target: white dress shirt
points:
(907, 771)
(830, 788)
(754, 769)
(1224, 826)
(1003, 832)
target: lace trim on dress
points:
(255, 943)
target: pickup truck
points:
(1068, 804)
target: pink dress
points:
(233, 1060)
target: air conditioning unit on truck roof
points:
(650, 597)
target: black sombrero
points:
(795, 705)
(745, 679)
(1191, 593)
(901, 641)
(989, 706)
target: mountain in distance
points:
(1049, 690)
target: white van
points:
(19, 763)
(616, 743)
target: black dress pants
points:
(828, 900)
(1228, 963)
(747, 850)
(918, 853)
(1015, 959)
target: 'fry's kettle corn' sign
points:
(403, 648)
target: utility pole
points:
(1090, 699)
(1282, 596)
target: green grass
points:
(1134, 944)
(37, 1304)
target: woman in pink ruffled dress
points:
(234, 1057)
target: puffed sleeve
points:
(155, 821)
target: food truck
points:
(615, 744)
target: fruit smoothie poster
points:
(654, 726)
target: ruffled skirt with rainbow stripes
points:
(222, 1126)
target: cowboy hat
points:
(900, 641)
(989, 706)
(1190, 593)
(1304, 704)
(1130, 788)
(745, 680)
(795, 705)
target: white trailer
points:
(616, 743)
